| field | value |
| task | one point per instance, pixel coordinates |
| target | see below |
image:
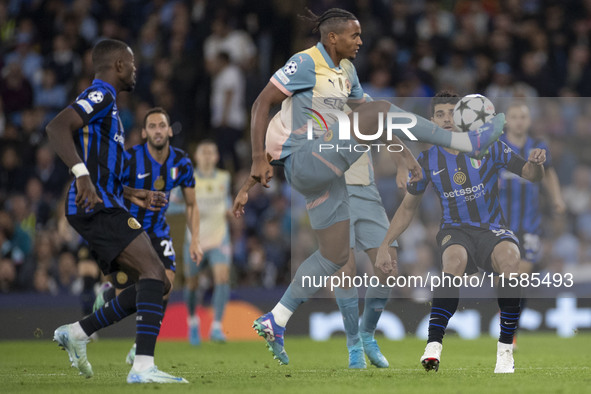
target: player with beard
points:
(158, 166)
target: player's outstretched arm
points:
(399, 223)
(193, 224)
(261, 170)
(148, 199)
(60, 132)
(533, 170)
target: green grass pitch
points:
(544, 363)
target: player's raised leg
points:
(475, 143)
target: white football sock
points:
(78, 332)
(142, 362)
(281, 314)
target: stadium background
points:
(411, 49)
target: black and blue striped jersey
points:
(520, 198)
(100, 144)
(143, 172)
(467, 188)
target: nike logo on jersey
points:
(438, 172)
(142, 176)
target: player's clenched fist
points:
(537, 156)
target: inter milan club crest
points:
(159, 183)
(476, 163)
(174, 173)
(133, 223)
(459, 178)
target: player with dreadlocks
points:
(319, 80)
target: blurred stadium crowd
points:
(191, 53)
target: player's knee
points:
(455, 266)
(192, 283)
(340, 258)
(155, 271)
(455, 259)
(507, 258)
(221, 279)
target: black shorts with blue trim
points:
(108, 232)
(164, 249)
(478, 242)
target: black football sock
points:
(110, 294)
(149, 315)
(113, 311)
(445, 303)
(509, 300)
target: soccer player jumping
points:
(319, 79)
(473, 233)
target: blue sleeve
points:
(93, 103)
(127, 156)
(299, 73)
(188, 177)
(420, 186)
(504, 157)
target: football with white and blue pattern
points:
(472, 111)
